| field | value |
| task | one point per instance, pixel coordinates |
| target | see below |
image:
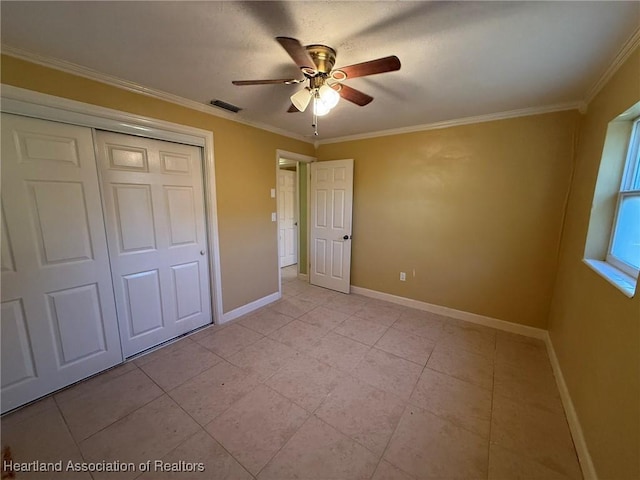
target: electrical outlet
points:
(274, 217)
(403, 276)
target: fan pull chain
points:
(314, 124)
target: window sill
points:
(623, 282)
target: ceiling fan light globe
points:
(301, 99)
(320, 108)
(328, 96)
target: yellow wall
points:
(245, 173)
(594, 328)
(476, 210)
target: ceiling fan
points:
(325, 85)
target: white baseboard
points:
(304, 277)
(250, 307)
(586, 463)
(584, 457)
(453, 313)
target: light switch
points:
(273, 216)
(273, 193)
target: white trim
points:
(298, 157)
(308, 232)
(524, 112)
(579, 441)
(619, 279)
(298, 222)
(94, 75)
(627, 49)
(250, 307)
(39, 105)
(453, 313)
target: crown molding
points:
(523, 112)
(80, 71)
(581, 105)
(625, 52)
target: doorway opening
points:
(288, 213)
(292, 180)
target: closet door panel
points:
(156, 231)
(59, 320)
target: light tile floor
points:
(318, 385)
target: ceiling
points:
(459, 59)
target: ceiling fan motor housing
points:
(324, 57)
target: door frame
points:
(300, 158)
(29, 103)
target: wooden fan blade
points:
(285, 81)
(292, 109)
(381, 65)
(355, 96)
(297, 52)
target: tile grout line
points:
(202, 427)
(288, 439)
(348, 435)
(222, 413)
(73, 439)
(133, 411)
(425, 368)
(92, 377)
(407, 406)
(241, 348)
(53, 396)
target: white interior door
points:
(331, 205)
(287, 222)
(154, 210)
(58, 311)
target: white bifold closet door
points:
(58, 311)
(155, 219)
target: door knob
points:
(346, 237)
(202, 252)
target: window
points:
(612, 247)
(624, 246)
